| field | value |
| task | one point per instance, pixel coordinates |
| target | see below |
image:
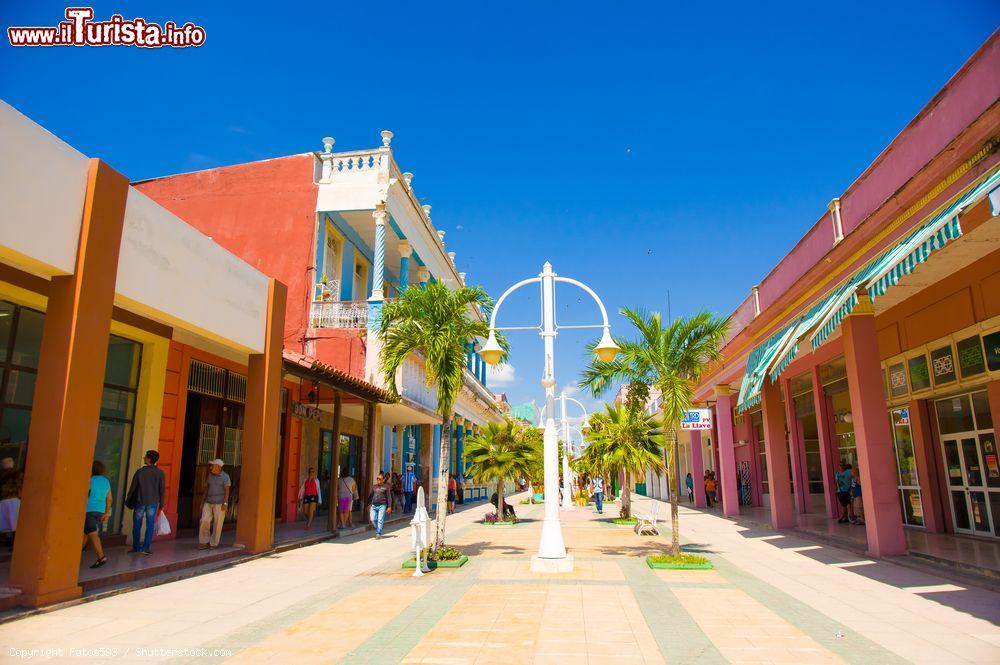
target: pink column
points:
(826, 458)
(697, 470)
(782, 506)
(727, 454)
(798, 453)
(883, 521)
(926, 458)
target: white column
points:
(378, 270)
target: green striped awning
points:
(758, 362)
(886, 271)
(803, 326)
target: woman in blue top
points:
(98, 510)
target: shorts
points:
(844, 498)
(92, 522)
(451, 495)
(345, 503)
(312, 498)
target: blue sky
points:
(639, 147)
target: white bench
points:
(646, 523)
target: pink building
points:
(876, 342)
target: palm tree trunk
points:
(444, 467)
(626, 510)
(499, 499)
(675, 528)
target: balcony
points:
(331, 314)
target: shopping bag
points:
(162, 525)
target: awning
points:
(758, 362)
(885, 272)
(803, 326)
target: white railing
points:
(351, 314)
(412, 382)
(326, 291)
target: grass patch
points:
(445, 557)
(683, 561)
(627, 521)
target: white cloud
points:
(500, 376)
(570, 389)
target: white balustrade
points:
(352, 314)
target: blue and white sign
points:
(697, 419)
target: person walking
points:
(452, 492)
(711, 486)
(397, 491)
(844, 479)
(381, 503)
(145, 499)
(409, 487)
(213, 509)
(689, 483)
(347, 494)
(98, 510)
(597, 491)
(857, 505)
(310, 496)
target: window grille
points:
(208, 438)
(206, 379)
(232, 450)
(236, 389)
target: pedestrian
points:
(597, 491)
(844, 479)
(213, 509)
(689, 483)
(347, 494)
(711, 487)
(98, 510)
(10, 500)
(409, 483)
(381, 503)
(145, 499)
(856, 503)
(452, 492)
(310, 496)
(397, 491)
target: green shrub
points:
(683, 557)
(445, 553)
(625, 520)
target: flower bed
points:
(446, 557)
(490, 519)
(625, 521)
(682, 561)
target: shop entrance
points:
(970, 455)
(213, 428)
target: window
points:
(906, 468)
(757, 423)
(114, 429)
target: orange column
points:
(258, 477)
(778, 476)
(932, 501)
(879, 484)
(63, 432)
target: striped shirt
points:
(409, 480)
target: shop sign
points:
(901, 416)
(897, 380)
(915, 507)
(697, 419)
(305, 412)
(920, 375)
(970, 357)
(992, 344)
(944, 365)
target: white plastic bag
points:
(162, 525)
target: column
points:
(255, 522)
(378, 267)
(796, 450)
(482, 370)
(368, 443)
(697, 470)
(883, 521)
(727, 451)
(436, 454)
(67, 400)
(404, 264)
(782, 508)
(932, 500)
(824, 426)
(387, 442)
(469, 431)
(332, 514)
(424, 275)
(459, 446)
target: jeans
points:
(149, 512)
(407, 502)
(599, 500)
(378, 518)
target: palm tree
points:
(435, 322)
(501, 452)
(670, 359)
(625, 441)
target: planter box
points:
(631, 525)
(679, 566)
(456, 563)
(499, 523)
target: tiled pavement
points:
(772, 598)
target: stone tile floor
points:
(768, 600)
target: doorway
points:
(969, 444)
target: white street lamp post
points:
(567, 502)
(551, 555)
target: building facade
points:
(876, 340)
(346, 232)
